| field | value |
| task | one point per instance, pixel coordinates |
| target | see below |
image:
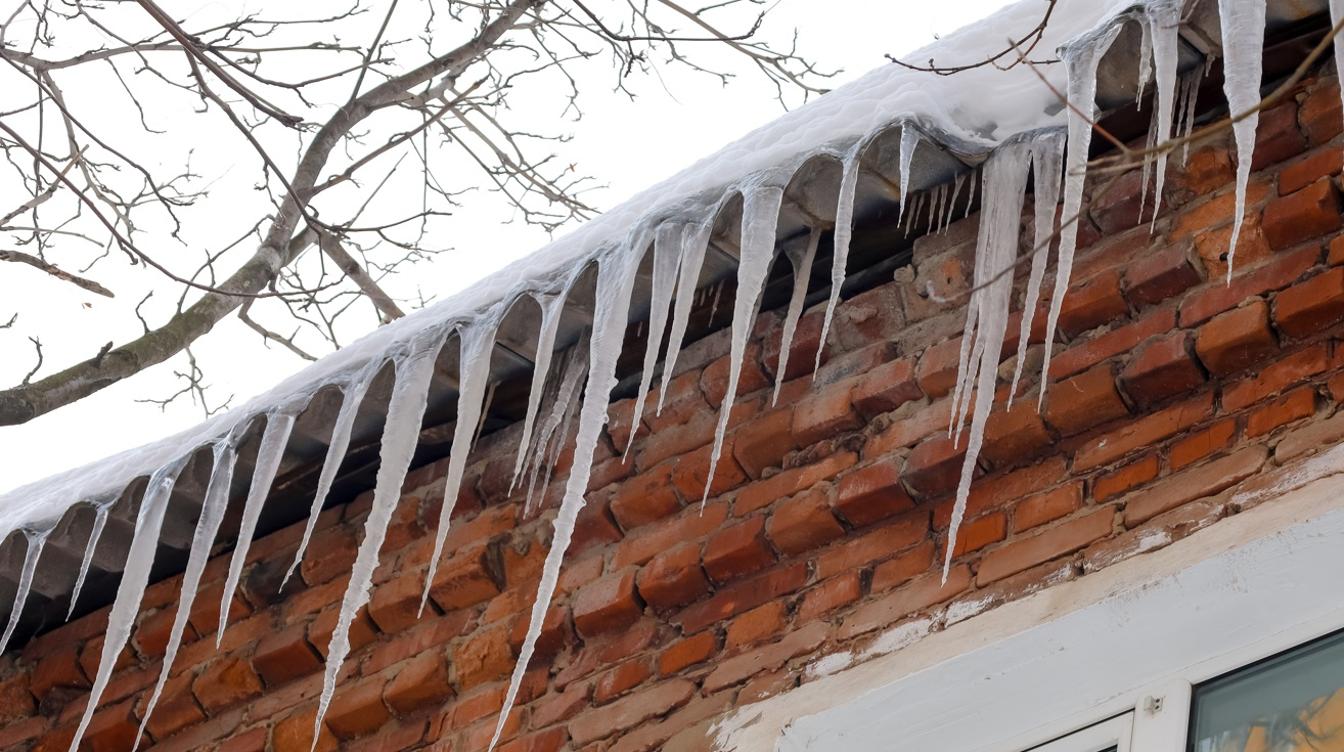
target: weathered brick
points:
(937, 372)
(285, 655)
(1311, 306)
(629, 711)
(784, 484)
(885, 388)
(1295, 405)
(903, 567)
(911, 423)
(1119, 340)
(918, 595)
(225, 682)
(1091, 303)
(934, 467)
(876, 544)
(972, 536)
(829, 595)
(395, 604)
(1037, 510)
(361, 633)
(484, 656)
(1197, 446)
(1161, 369)
(803, 522)
(357, 709)
(764, 441)
(1143, 432)
(1236, 339)
(1050, 543)
(738, 550)
(824, 413)
(176, 708)
(765, 658)
(646, 497)
(761, 623)
(1084, 401)
(58, 668)
(1276, 135)
(1194, 483)
(1276, 376)
(741, 596)
(1278, 273)
(1014, 434)
(1116, 482)
(690, 473)
(688, 652)
(871, 493)
(620, 679)
(555, 632)
(693, 524)
(420, 682)
(294, 733)
(674, 577)
(607, 604)
(1319, 113)
(1308, 213)
(1119, 204)
(554, 707)
(468, 578)
(1309, 169)
(802, 350)
(112, 729)
(1154, 277)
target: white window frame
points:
(1116, 733)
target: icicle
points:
(1005, 181)
(476, 339)
(33, 551)
(970, 192)
(915, 206)
(1081, 61)
(760, 218)
(909, 140)
(1243, 36)
(936, 213)
(405, 410)
(134, 579)
(667, 248)
(487, 403)
(714, 306)
(952, 202)
(563, 401)
(1336, 13)
(551, 308)
(1146, 169)
(1192, 82)
(273, 440)
(1047, 156)
(615, 280)
(844, 230)
(95, 535)
(802, 259)
(695, 241)
(351, 397)
(1163, 19)
(1145, 63)
(207, 527)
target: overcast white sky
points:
(625, 145)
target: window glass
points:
(1291, 703)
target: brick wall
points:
(826, 525)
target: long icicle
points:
(760, 219)
(615, 280)
(95, 536)
(1005, 182)
(695, 242)
(1081, 62)
(410, 395)
(667, 248)
(273, 440)
(1047, 166)
(1163, 18)
(207, 527)
(801, 258)
(134, 579)
(1243, 37)
(33, 551)
(476, 340)
(844, 231)
(551, 308)
(351, 397)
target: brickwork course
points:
(1173, 396)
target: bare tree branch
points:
(55, 271)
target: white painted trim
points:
(1115, 733)
(1023, 673)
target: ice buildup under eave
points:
(744, 193)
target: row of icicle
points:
(554, 408)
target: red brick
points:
(205, 609)
(225, 682)
(764, 441)
(1084, 401)
(1199, 445)
(673, 578)
(358, 709)
(825, 413)
(1335, 255)
(909, 424)
(903, 567)
(469, 578)
(1252, 248)
(362, 632)
(420, 682)
(1236, 339)
(1275, 377)
(1283, 270)
(620, 417)
(802, 349)
(684, 398)
(1305, 214)
(620, 679)
(331, 554)
(1119, 204)
(761, 623)
(1092, 303)
(920, 594)
(937, 372)
(484, 656)
(1047, 507)
(1013, 435)
(829, 595)
(885, 388)
(784, 484)
(741, 596)
(803, 523)
(395, 604)
(873, 545)
(1119, 340)
(1161, 369)
(1143, 432)
(153, 630)
(594, 526)
(1309, 169)
(972, 536)
(1026, 552)
(550, 740)
(112, 729)
(294, 733)
(629, 711)
(176, 708)
(1311, 306)
(934, 467)
(738, 550)
(1114, 483)
(285, 655)
(1194, 483)
(872, 493)
(647, 497)
(1154, 277)
(692, 524)
(1295, 405)
(554, 707)
(555, 632)
(607, 604)
(688, 652)
(691, 471)
(58, 668)
(1276, 136)
(1319, 113)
